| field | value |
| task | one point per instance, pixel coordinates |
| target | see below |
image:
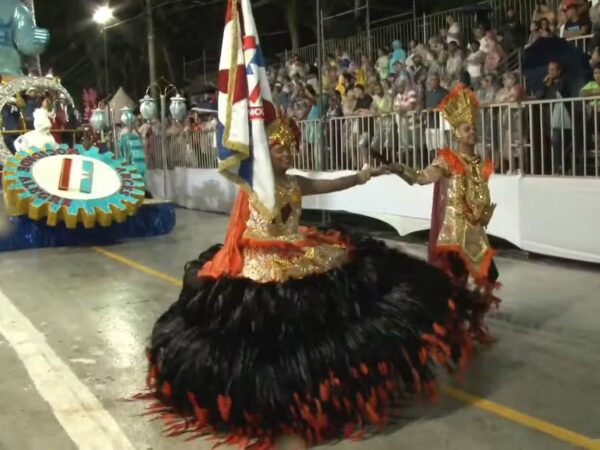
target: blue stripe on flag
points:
(245, 170)
(224, 152)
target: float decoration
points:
(72, 186)
(10, 89)
(20, 37)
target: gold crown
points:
(284, 132)
(460, 106)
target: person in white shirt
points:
(474, 63)
(455, 61)
(453, 31)
(40, 137)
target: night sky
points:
(185, 30)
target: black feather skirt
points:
(320, 357)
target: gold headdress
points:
(284, 132)
(460, 106)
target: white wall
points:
(547, 215)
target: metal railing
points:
(422, 28)
(548, 137)
(582, 42)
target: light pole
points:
(151, 48)
(102, 16)
(178, 110)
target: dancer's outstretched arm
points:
(430, 174)
(309, 186)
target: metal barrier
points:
(196, 150)
(582, 42)
(553, 137)
(421, 29)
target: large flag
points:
(245, 106)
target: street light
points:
(149, 111)
(102, 16)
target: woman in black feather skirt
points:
(292, 331)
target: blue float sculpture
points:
(18, 36)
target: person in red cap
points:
(576, 24)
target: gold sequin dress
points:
(285, 330)
(277, 249)
(461, 210)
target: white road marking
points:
(79, 412)
(84, 361)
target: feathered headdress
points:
(460, 106)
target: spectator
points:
(474, 63)
(400, 73)
(543, 12)
(595, 59)
(406, 99)
(512, 32)
(453, 31)
(349, 103)
(343, 84)
(383, 64)
(363, 100)
(312, 78)
(405, 103)
(534, 33)
(512, 92)
(545, 29)
(555, 88)
(455, 61)
(381, 102)
(398, 54)
(435, 92)
(463, 78)
(365, 63)
(335, 106)
(559, 27)
(492, 50)
(486, 94)
(280, 98)
(576, 25)
(592, 89)
(433, 97)
(296, 67)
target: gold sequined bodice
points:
(276, 250)
(466, 197)
(284, 226)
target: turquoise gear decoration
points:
(132, 151)
(25, 194)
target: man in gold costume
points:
(461, 206)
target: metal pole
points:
(151, 49)
(115, 138)
(163, 142)
(368, 21)
(319, 151)
(322, 165)
(106, 79)
(204, 64)
(415, 20)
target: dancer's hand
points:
(397, 168)
(376, 172)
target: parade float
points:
(58, 194)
